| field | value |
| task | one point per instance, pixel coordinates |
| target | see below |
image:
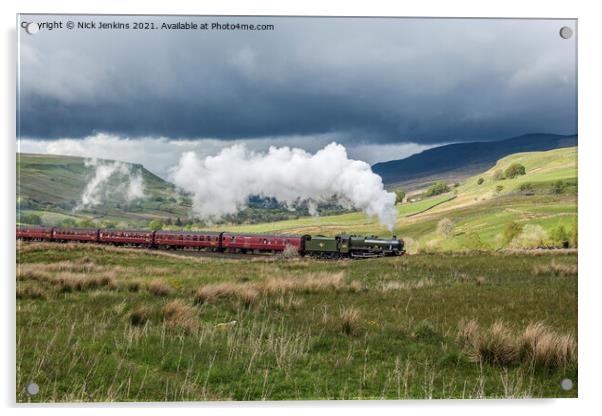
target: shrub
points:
(399, 196)
(526, 187)
(511, 231)
(86, 223)
(499, 188)
(514, 170)
(474, 241)
(32, 219)
(445, 227)
(558, 234)
(480, 181)
(155, 225)
(437, 188)
(159, 288)
(558, 187)
(425, 331)
(67, 223)
(532, 236)
(139, 315)
(573, 240)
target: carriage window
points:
(187, 236)
(180, 237)
(202, 238)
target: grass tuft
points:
(349, 319)
(182, 316)
(557, 269)
(25, 291)
(159, 288)
(536, 344)
(140, 315)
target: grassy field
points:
(97, 323)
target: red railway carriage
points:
(34, 233)
(188, 239)
(261, 243)
(75, 234)
(126, 237)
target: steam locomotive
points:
(340, 246)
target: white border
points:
(590, 177)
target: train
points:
(340, 246)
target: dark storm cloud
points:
(378, 80)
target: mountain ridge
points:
(460, 160)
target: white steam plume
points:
(130, 184)
(221, 184)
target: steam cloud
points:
(222, 184)
(130, 185)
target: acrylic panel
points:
(248, 208)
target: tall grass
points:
(557, 269)
(536, 345)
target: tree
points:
(67, 223)
(437, 188)
(32, 219)
(480, 181)
(558, 187)
(399, 196)
(445, 227)
(512, 230)
(178, 222)
(109, 224)
(86, 223)
(514, 170)
(559, 234)
(155, 225)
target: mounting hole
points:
(566, 32)
(566, 384)
(32, 28)
(33, 389)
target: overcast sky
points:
(385, 88)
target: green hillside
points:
(51, 186)
(479, 213)
(546, 197)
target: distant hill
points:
(52, 186)
(459, 160)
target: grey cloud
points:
(365, 80)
